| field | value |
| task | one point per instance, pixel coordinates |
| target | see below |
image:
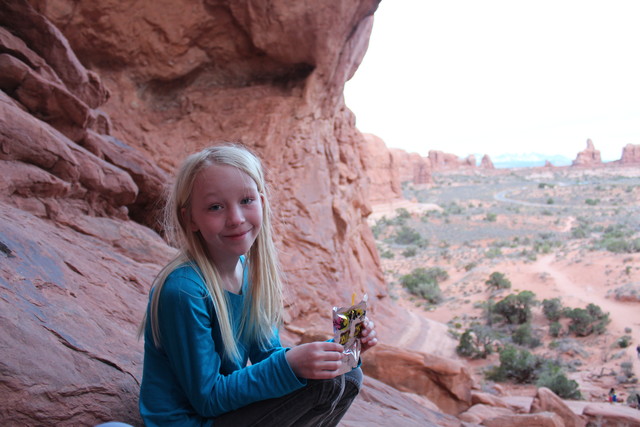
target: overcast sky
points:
(495, 77)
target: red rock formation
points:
(547, 401)
(588, 157)
(486, 162)
(630, 155)
(444, 161)
(447, 383)
(78, 165)
(381, 169)
(412, 167)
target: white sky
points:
(495, 77)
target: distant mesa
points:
(630, 155)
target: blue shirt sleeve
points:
(186, 320)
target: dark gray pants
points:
(319, 403)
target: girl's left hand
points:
(368, 336)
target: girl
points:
(216, 306)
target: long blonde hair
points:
(263, 304)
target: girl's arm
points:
(186, 337)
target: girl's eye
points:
(215, 207)
(247, 200)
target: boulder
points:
(479, 412)
(611, 415)
(547, 401)
(541, 419)
(445, 382)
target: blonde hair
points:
(263, 304)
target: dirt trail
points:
(622, 314)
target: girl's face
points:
(226, 208)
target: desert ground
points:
(566, 233)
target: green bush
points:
(588, 321)
(387, 254)
(491, 217)
(409, 252)
(555, 328)
(552, 309)
(407, 236)
(476, 342)
(516, 309)
(523, 335)
(498, 281)
(592, 202)
(554, 379)
(424, 283)
(624, 341)
(516, 364)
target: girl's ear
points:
(186, 217)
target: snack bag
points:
(347, 325)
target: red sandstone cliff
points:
(85, 156)
(444, 161)
(486, 162)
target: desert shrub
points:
(424, 283)
(587, 321)
(552, 309)
(453, 209)
(470, 266)
(620, 245)
(402, 213)
(387, 254)
(550, 201)
(580, 232)
(624, 341)
(493, 253)
(379, 227)
(516, 364)
(627, 369)
(523, 335)
(476, 342)
(490, 217)
(498, 281)
(592, 202)
(407, 236)
(516, 309)
(553, 378)
(409, 252)
(555, 328)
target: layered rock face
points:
(443, 161)
(630, 155)
(382, 170)
(79, 164)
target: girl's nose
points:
(235, 216)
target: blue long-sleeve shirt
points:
(187, 381)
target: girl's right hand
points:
(315, 361)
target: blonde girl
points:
(217, 305)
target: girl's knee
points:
(354, 377)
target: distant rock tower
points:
(486, 162)
(588, 157)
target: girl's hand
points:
(368, 336)
(316, 360)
